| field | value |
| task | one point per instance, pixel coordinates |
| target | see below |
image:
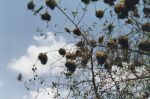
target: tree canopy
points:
(110, 52)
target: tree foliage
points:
(111, 53)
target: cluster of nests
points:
(49, 3)
(70, 63)
(83, 52)
(123, 8)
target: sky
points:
(20, 45)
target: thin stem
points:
(93, 77)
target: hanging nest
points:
(100, 39)
(131, 4)
(101, 57)
(71, 66)
(112, 44)
(123, 41)
(86, 51)
(85, 1)
(99, 13)
(108, 65)
(146, 10)
(45, 16)
(78, 53)
(92, 43)
(146, 27)
(77, 32)
(71, 56)
(30, 5)
(80, 44)
(110, 2)
(62, 51)
(144, 45)
(84, 60)
(51, 4)
(43, 58)
(121, 10)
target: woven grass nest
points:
(144, 45)
(99, 13)
(77, 32)
(123, 41)
(71, 66)
(146, 27)
(131, 4)
(43, 58)
(62, 51)
(30, 5)
(121, 10)
(101, 57)
(51, 4)
(46, 16)
(71, 56)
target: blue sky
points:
(16, 31)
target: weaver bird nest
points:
(71, 66)
(101, 57)
(99, 13)
(43, 58)
(51, 4)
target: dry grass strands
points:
(45, 16)
(144, 45)
(146, 27)
(101, 57)
(51, 4)
(62, 51)
(71, 56)
(43, 58)
(112, 44)
(84, 60)
(78, 53)
(71, 66)
(80, 44)
(30, 5)
(99, 13)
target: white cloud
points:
(25, 63)
(46, 93)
